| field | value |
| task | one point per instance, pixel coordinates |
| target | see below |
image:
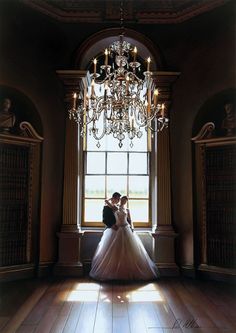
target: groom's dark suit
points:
(108, 217)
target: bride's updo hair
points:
(124, 198)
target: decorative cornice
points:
(141, 12)
(74, 81)
(27, 130)
(164, 81)
(205, 132)
(174, 16)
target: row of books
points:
(13, 252)
(221, 158)
(221, 252)
(14, 157)
(20, 194)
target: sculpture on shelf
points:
(7, 118)
(229, 122)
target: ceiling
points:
(135, 11)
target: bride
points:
(120, 255)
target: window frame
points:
(137, 224)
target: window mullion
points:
(130, 163)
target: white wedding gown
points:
(120, 255)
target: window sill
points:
(101, 229)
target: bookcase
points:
(215, 201)
(19, 201)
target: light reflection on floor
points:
(92, 292)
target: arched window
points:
(109, 168)
(91, 173)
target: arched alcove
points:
(21, 147)
(22, 107)
(214, 187)
(213, 111)
(96, 44)
(76, 242)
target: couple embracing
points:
(120, 255)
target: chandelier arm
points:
(160, 124)
(103, 132)
(141, 107)
(155, 130)
(98, 137)
(88, 119)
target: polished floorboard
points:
(69, 305)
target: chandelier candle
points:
(155, 97)
(95, 66)
(135, 53)
(148, 64)
(163, 111)
(74, 100)
(106, 57)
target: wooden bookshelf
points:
(215, 198)
(19, 199)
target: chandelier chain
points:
(122, 16)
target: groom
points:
(108, 216)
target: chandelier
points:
(121, 101)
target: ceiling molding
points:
(142, 12)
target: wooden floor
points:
(85, 306)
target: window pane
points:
(117, 163)
(95, 163)
(94, 186)
(138, 186)
(138, 163)
(93, 210)
(116, 184)
(139, 210)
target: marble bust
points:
(229, 122)
(7, 118)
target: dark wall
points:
(26, 66)
(34, 46)
(206, 60)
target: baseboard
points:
(188, 271)
(67, 269)
(217, 273)
(17, 272)
(168, 269)
(45, 269)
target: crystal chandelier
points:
(121, 100)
